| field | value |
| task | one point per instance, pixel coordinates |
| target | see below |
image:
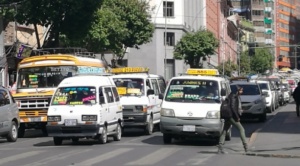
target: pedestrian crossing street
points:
(103, 155)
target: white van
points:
(191, 105)
(85, 107)
(139, 93)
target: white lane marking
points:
(19, 156)
(103, 157)
(197, 160)
(154, 157)
(57, 157)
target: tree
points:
(262, 60)
(245, 63)
(71, 18)
(196, 45)
(229, 67)
(120, 24)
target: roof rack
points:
(129, 70)
(245, 79)
(76, 51)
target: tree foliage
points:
(71, 18)
(245, 63)
(262, 60)
(120, 24)
(229, 67)
(195, 45)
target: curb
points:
(272, 155)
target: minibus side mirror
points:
(150, 92)
(223, 92)
(101, 99)
(161, 96)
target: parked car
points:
(253, 100)
(9, 116)
(286, 92)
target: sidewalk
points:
(279, 137)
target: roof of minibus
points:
(61, 57)
(86, 80)
(136, 75)
(213, 78)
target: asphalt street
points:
(138, 149)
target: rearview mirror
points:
(161, 96)
(223, 92)
(101, 98)
(150, 92)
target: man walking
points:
(296, 96)
(236, 108)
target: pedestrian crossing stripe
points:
(19, 157)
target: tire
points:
(57, 141)
(12, 136)
(103, 136)
(21, 131)
(118, 135)
(149, 127)
(262, 118)
(75, 140)
(167, 138)
(228, 135)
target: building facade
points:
(173, 19)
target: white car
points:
(270, 97)
(253, 100)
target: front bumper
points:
(73, 131)
(203, 127)
(253, 110)
(135, 119)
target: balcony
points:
(246, 25)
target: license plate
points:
(189, 128)
(70, 122)
(37, 119)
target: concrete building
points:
(174, 18)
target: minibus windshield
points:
(193, 91)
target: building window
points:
(170, 38)
(168, 9)
(258, 23)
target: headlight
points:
(213, 115)
(89, 117)
(54, 118)
(167, 112)
(257, 101)
(141, 108)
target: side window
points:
(148, 86)
(116, 94)
(162, 85)
(101, 94)
(155, 86)
(4, 97)
(109, 95)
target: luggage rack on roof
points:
(129, 70)
(76, 51)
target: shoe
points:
(221, 150)
(246, 147)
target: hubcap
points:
(14, 131)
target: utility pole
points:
(296, 61)
(165, 60)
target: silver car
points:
(9, 116)
(253, 100)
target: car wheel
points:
(75, 140)
(149, 127)
(263, 117)
(12, 136)
(118, 135)
(103, 136)
(21, 131)
(167, 138)
(57, 140)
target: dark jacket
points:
(234, 105)
(296, 94)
